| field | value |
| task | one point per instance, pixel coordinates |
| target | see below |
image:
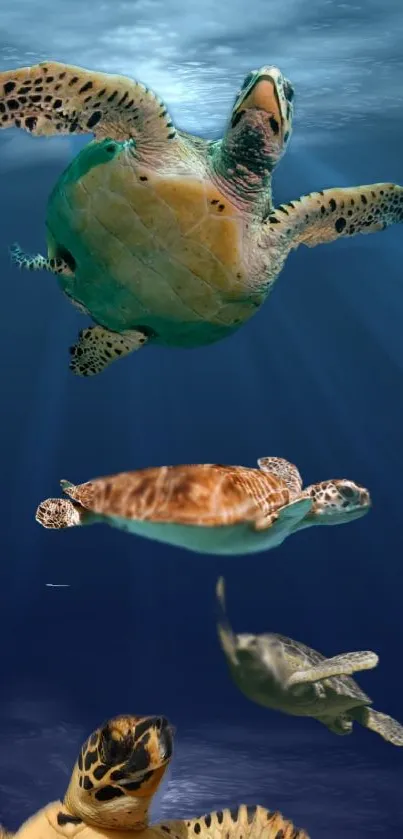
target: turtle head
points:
(336, 502)
(118, 771)
(261, 120)
(257, 665)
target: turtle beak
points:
(261, 95)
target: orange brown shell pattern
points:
(203, 494)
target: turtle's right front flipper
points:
(54, 98)
(332, 214)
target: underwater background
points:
(316, 377)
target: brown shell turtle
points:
(208, 508)
(117, 773)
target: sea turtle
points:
(288, 676)
(117, 773)
(208, 508)
(161, 236)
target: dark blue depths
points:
(316, 377)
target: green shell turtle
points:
(116, 775)
(208, 508)
(161, 236)
(285, 675)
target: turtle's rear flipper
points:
(383, 724)
(38, 262)
(97, 347)
(58, 513)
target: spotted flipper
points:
(245, 822)
(39, 262)
(383, 724)
(284, 470)
(97, 347)
(325, 216)
(340, 665)
(58, 513)
(54, 98)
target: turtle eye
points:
(288, 91)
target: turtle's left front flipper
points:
(245, 822)
(340, 665)
(325, 216)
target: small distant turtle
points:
(208, 508)
(117, 773)
(161, 236)
(285, 675)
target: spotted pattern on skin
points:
(244, 822)
(340, 495)
(118, 770)
(97, 347)
(124, 760)
(56, 98)
(39, 263)
(284, 470)
(325, 216)
(58, 513)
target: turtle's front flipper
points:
(383, 724)
(325, 216)
(97, 347)
(245, 822)
(53, 98)
(339, 665)
(39, 262)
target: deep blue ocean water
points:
(316, 377)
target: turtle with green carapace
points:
(161, 236)
(286, 675)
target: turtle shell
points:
(155, 251)
(205, 508)
(207, 495)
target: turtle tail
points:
(57, 513)
(224, 629)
